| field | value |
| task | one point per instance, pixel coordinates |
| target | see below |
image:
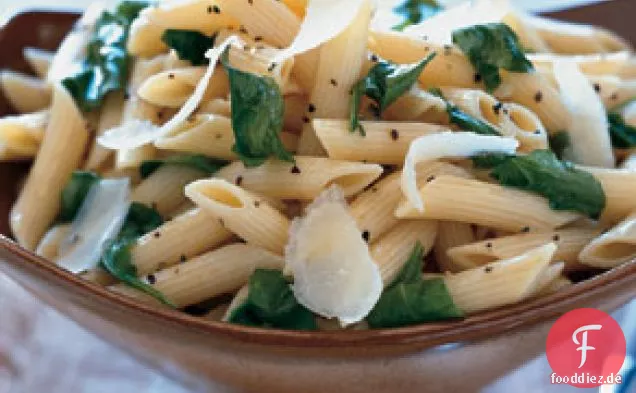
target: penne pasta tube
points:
(613, 90)
(499, 283)
(204, 16)
(334, 80)
(98, 276)
(25, 93)
(172, 88)
(374, 208)
(186, 236)
(110, 116)
(452, 234)
(295, 107)
(242, 213)
(418, 105)
(50, 244)
(569, 242)
(617, 185)
(305, 179)
(384, 143)
(613, 248)
(275, 24)
(23, 134)
(39, 202)
(39, 60)
(163, 190)
(212, 274)
(217, 106)
(211, 135)
(491, 205)
(618, 63)
(558, 284)
(392, 250)
(544, 283)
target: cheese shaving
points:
(447, 144)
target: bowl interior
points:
(46, 30)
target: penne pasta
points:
(569, 242)
(187, 235)
(394, 247)
(305, 179)
(613, 248)
(384, 143)
(39, 202)
(25, 93)
(471, 201)
(418, 105)
(499, 283)
(451, 234)
(22, 135)
(617, 185)
(242, 213)
(110, 116)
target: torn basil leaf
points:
(74, 194)
(117, 259)
(205, 164)
(415, 11)
(463, 120)
(559, 142)
(410, 300)
(189, 44)
(257, 116)
(271, 303)
(384, 83)
(488, 161)
(490, 47)
(105, 68)
(622, 134)
(565, 187)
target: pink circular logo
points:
(586, 348)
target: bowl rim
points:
(474, 327)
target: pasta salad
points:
(300, 164)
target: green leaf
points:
(117, 259)
(490, 47)
(410, 303)
(410, 300)
(560, 141)
(566, 187)
(487, 161)
(384, 84)
(257, 116)
(205, 164)
(271, 303)
(74, 194)
(189, 45)
(462, 119)
(415, 11)
(412, 269)
(623, 135)
(105, 68)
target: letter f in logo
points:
(583, 344)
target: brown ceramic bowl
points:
(454, 356)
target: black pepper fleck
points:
(312, 108)
(257, 204)
(525, 229)
(538, 96)
(497, 108)
(250, 2)
(597, 87)
(430, 178)
(258, 38)
(271, 67)
(556, 237)
(151, 279)
(239, 180)
(171, 76)
(305, 119)
(157, 235)
(477, 78)
(295, 170)
(334, 82)
(395, 134)
(537, 132)
(374, 58)
(489, 245)
(218, 136)
(488, 269)
(614, 96)
(366, 235)
(183, 258)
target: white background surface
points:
(43, 352)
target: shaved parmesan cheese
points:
(439, 28)
(324, 20)
(99, 219)
(590, 142)
(629, 113)
(447, 144)
(334, 275)
(132, 134)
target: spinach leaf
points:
(566, 187)
(622, 134)
(490, 47)
(559, 141)
(384, 84)
(74, 194)
(487, 161)
(257, 116)
(189, 45)
(415, 11)
(197, 161)
(117, 259)
(463, 120)
(271, 303)
(410, 299)
(105, 68)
